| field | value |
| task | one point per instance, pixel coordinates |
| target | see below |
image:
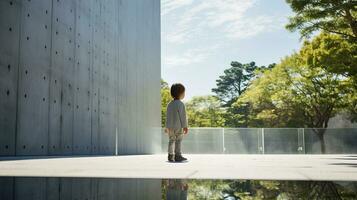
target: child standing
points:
(176, 122)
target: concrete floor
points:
(205, 166)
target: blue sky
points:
(200, 38)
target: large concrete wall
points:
(79, 77)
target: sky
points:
(200, 38)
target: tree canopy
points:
(205, 111)
(333, 16)
(234, 81)
(299, 91)
(165, 99)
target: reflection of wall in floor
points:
(74, 73)
(79, 188)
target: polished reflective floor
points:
(255, 189)
(199, 166)
(42, 188)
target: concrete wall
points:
(29, 188)
(79, 77)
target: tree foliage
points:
(165, 99)
(298, 92)
(333, 16)
(333, 53)
(234, 82)
(205, 111)
(231, 85)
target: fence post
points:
(301, 141)
(116, 141)
(261, 141)
(263, 149)
(223, 142)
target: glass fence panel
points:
(242, 141)
(281, 140)
(267, 141)
(200, 140)
(337, 141)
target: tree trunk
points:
(352, 22)
(321, 135)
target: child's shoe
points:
(171, 158)
(179, 158)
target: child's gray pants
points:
(175, 138)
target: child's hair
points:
(176, 90)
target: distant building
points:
(341, 121)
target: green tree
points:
(332, 52)
(205, 111)
(336, 55)
(231, 85)
(234, 82)
(333, 16)
(165, 99)
(298, 92)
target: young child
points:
(176, 122)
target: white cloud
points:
(191, 27)
(187, 19)
(245, 29)
(189, 57)
(168, 6)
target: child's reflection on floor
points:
(176, 189)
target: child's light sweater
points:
(176, 114)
